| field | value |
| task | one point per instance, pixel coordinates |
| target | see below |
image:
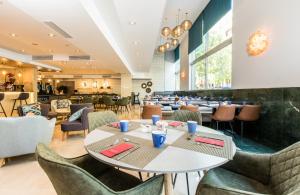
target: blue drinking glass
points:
(155, 118)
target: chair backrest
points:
(285, 170)
(249, 113)
(107, 100)
(54, 105)
(97, 119)
(20, 135)
(2, 96)
(75, 107)
(66, 177)
(186, 115)
(224, 113)
(191, 108)
(149, 110)
(45, 108)
(23, 96)
(123, 101)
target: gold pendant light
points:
(186, 24)
(161, 48)
(174, 42)
(167, 45)
(165, 32)
(178, 30)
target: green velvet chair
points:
(97, 119)
(109, 103)
(250, 173)
(122, 103)
(186, 115)
(85, 175)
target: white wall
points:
(279, 66)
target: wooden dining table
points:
(178, 155)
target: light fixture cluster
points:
(171, 36)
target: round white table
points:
(171, 160)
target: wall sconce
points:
(4, 72)
(182, 74)
(257, 43)
(95, 84)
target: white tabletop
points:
(170, 160)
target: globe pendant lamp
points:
(167, 45)
(177, 31)
(186, 24)
(165, 32)
(174, 42)
(161, 48)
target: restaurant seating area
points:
(161, 97)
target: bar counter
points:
(8, 101)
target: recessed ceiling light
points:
(51, 35)
(13, 35)
(23, 50)
(132, 22)
(135, 42)
(57, 71)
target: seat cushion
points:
(222, 181)
(118, 180)
(71, 126)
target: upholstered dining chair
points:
(191, 108)
(186, 115)
(86, 175)
(122, 103)
(149, 110)
(255, 174)
(224, 113)
(109, 103)
(97, 119)
(80, 124)
(249, 113)
(45, 111)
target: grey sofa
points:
(254, 174)
(85, 175)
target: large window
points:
(211, 61)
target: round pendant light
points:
(186, 24)
(161, 48)
(167, 45)
(174, 42)
(177, 31)
(166, 31)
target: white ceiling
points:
(99, 28)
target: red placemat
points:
(175, 123)
(116, 150)
(212, 141)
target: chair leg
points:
(174, 181)
(26, 101)
(230, 124)
(242, 129)
(12, 111)
(3, 110)
(217, 125)
(187, 183)
(199, 173)
(140, 175)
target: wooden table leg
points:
(168, 184)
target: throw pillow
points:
(32, 108)
(76, 115)
(62, 104)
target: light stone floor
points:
(23, 175)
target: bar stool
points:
(22, 97)
(224, 113)
(2, 95)
(249, 113)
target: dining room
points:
(161, 97)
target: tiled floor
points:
(22, 175)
